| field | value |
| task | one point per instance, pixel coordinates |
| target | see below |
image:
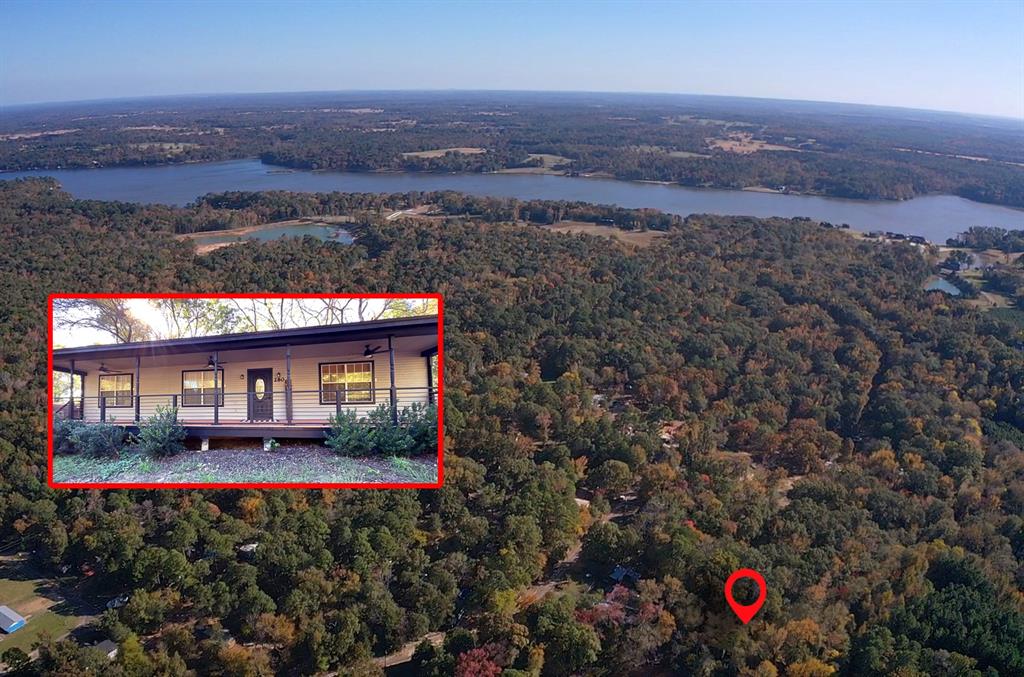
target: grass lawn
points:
(441, 152)
(43, 609)
(640, 238)
(302, 463)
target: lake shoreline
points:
(934, 218)
(543, 171)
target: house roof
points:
(351, 331)
(10, 620)
(107, 646)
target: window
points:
(346, 382)
(198, 388)
(117, 388)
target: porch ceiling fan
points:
(209, 362)
(104, 369)
(372, 351)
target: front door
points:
(261, 394)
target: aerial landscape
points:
(727, 373)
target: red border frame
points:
(248, 485)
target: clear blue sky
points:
(960, 56)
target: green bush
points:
(388, 439)
(348, 436)
(98, 439)
(161, 434)
(420, 420)
(415, 434)
(63, 435)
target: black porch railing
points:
(277, 407)
(68, 409)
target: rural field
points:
(48, 608)
(639, 238)
(441, 152)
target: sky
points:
(956, 56)
(161, 325)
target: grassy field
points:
(303, 463)
(744, 143)
(639, 238)
(547, 165)
(36, 600)
(440, 152)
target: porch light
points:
(278, 378)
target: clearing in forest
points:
(640, 238)
(744, 143)
(547, 165)
(441, 152)
(42, 602)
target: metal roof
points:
(351, 331)
(10, 619)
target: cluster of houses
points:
(898, 237)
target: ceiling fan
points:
(105, 369)
(209, 362)
(371, 351)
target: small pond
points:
(940, 284)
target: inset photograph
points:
(246, 391)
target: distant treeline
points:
(989, 237)
(221, 211)
(684, 141)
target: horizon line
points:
(201, 95)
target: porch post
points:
(71, 415)
(174, 405)
(138, 386)
(288, 382)
(430, 380)
(216, 392)
(103, 409)
(394, 392)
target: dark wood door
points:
(261, 394)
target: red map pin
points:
(745, 612)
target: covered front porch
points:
(283, 384)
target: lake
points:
(935, 217)
(940, 284)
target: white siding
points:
(165, 380)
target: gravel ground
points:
(289, 463)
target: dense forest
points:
(739, 392)
(828, 149)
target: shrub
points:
(420, 420)
(348, 436)
(162, 435)
(415, 434)
(63, 435)
(388, 439)
(98, 439)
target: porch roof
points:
(352, 331)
